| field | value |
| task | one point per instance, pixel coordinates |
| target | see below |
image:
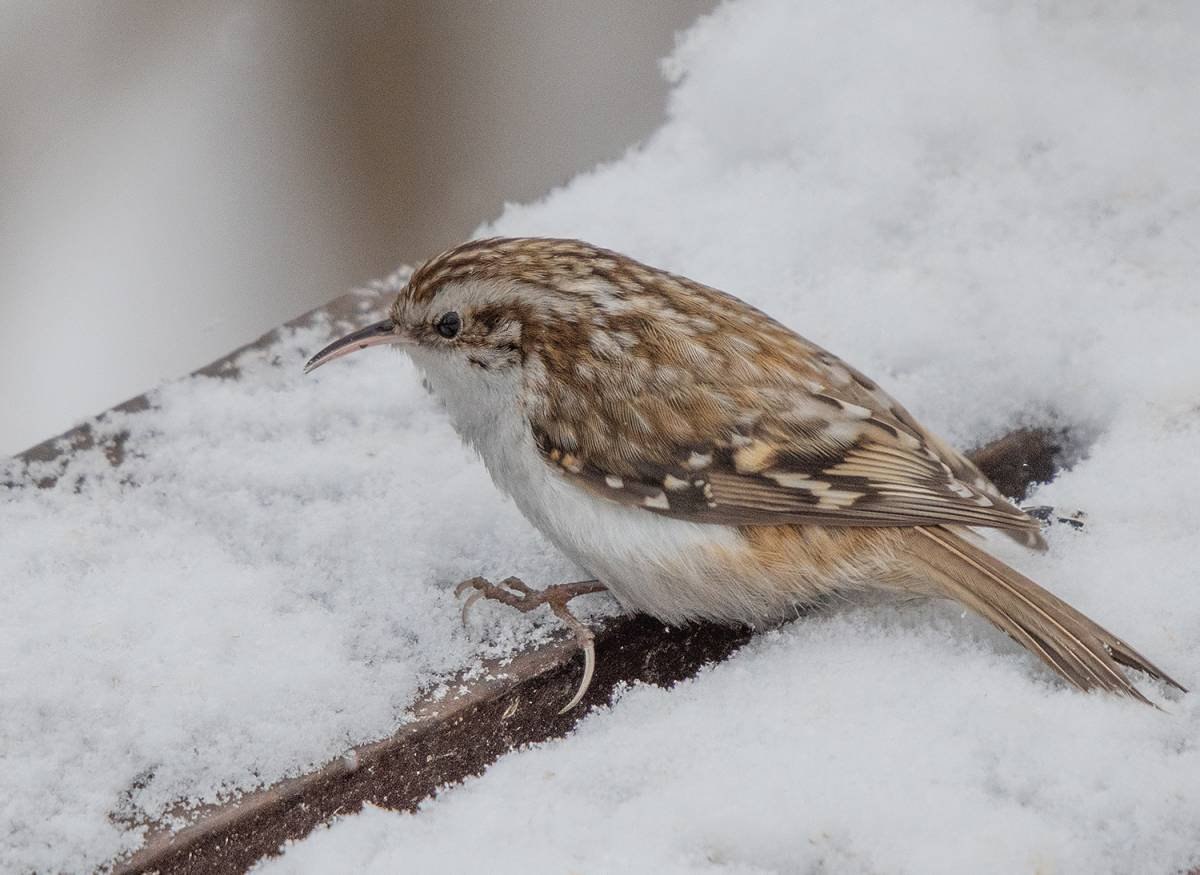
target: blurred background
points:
(178, 178)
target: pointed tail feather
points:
(1084, 653)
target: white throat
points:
(484, 405)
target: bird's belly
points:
(650, 563)
(674, 570)
(671, 569)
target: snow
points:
(275, 589)
(990, 207)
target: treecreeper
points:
(702, 461)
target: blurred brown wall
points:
(176, 178)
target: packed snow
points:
(992, 208)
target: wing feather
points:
(767, 430)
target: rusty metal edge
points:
(450, 742)
(499, 678)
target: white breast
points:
(654, 564)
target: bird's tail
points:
(1084, 653)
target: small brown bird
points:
(703, 461)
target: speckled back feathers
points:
(651, 389)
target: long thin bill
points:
(373, 335)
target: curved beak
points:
(373, 335)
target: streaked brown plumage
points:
(590, 382)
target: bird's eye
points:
(448, 324)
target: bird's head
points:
(487, 305)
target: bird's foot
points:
(514, 592)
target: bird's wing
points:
(820, 444)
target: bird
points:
(702, 461)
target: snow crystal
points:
(990, 207)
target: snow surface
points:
(993, 208)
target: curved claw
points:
(589, 668)
(474, 597)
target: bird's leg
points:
(514, 592)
